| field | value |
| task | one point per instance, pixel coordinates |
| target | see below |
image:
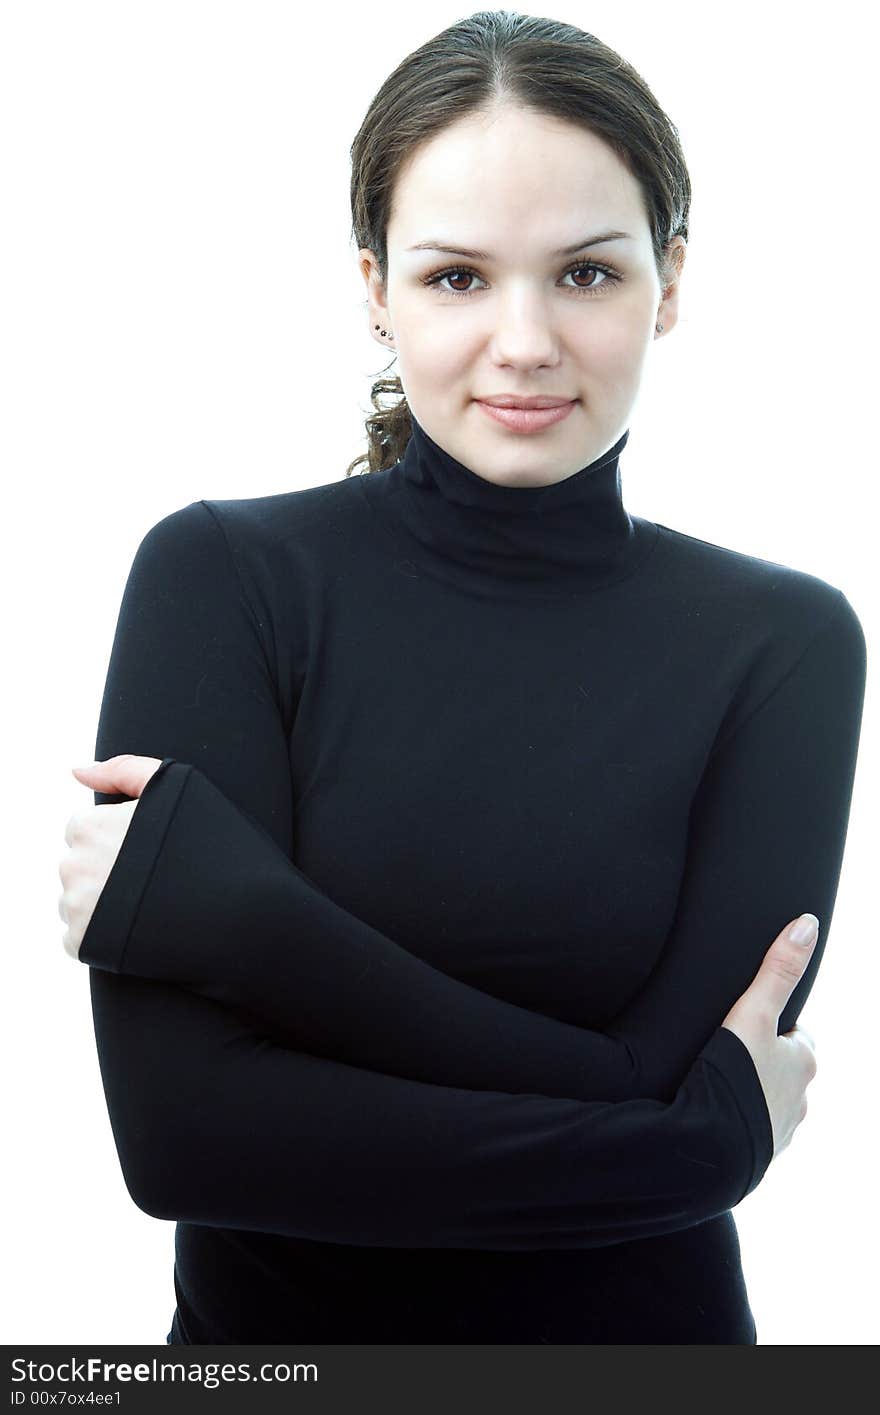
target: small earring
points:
(390, 336)
(658, 327)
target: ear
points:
(376, 301)
(667, 313)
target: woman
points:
(433, 983)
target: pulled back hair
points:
(491, 58)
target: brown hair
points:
(493, 57)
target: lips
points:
(528, 419)
(509, 400)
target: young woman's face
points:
(527, 319)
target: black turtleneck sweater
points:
(479, 807)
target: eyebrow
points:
(435, 245)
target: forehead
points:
(515, 172)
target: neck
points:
(517, 542)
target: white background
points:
(183, 317)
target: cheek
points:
(614, 345)
(434, 354)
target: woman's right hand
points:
(785, 1064)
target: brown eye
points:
(610, 278)
(460, 275)
(593, 269)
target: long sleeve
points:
(202, 896)
(222, 908)
(228, 914)
(766, 841)
(216, 1124)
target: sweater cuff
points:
(727, 1053)
(115, 913)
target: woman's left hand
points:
(95, 837)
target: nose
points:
(523, 333)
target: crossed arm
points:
(544, 1134)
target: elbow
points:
(629, 1068)
(150, 1199)
(154, 1086)
(150, 1172)
(157, 1145)
(649, 1077)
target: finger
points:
(125, 774)
(785, 961)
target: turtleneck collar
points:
(510, 542)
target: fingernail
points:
(804, 929)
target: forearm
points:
(219, 908)
(202, 898)
(216, 1126)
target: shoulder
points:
(770, 618)
(290, 514)
(261, 531)
(264, 519)
(274, 515)
(764, 598)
